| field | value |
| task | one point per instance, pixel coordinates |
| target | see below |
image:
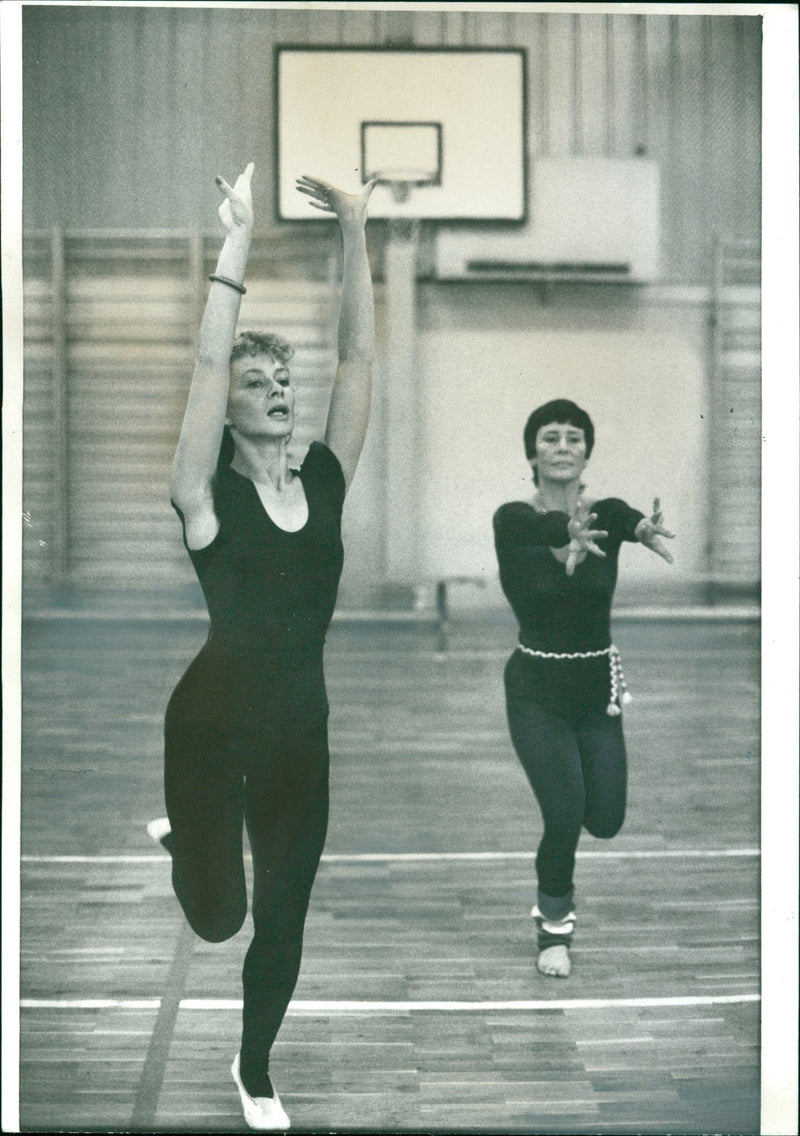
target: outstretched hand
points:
(236, 211)
(582, 537)
(350, 208)
(650, 530)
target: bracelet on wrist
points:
(240, 288)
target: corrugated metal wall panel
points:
(594, 106)
(747, 131)
(622, 86)
(689, 109)
(684, 87)
(724, 109)
(530, 34)
(560, 90)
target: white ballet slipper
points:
(265, 1114)
(159, 828)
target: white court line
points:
(90, 1003)
(301, 1007)
(422, 619)
(415, 857)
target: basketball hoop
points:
(402, 180)
(402, 155)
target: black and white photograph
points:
(400, 536)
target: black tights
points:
(578, 773)
(275, 778)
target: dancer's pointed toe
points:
(264, 1114)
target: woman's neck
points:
(263, 460)
(558, 496)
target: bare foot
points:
(554, 962)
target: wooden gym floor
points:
(418, 1006)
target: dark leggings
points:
(576, 765)
(245, 744)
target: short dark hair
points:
(262, 343)
(559, 410)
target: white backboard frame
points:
(323, 94)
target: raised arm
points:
(348, 414)
(196, 455)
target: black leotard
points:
(246, 738)
(268, 589)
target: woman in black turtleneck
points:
(558, 558)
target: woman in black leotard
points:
(246, 727)
(564, 683)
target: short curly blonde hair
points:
(262, 343)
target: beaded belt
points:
(620, 695)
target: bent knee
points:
(605, 828)
(216, 928)
(214, 903)
(211, 916)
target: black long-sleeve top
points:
(557, 612)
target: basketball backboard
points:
(443, 130)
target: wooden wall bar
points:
(111, 321)
(128, 112)
(39, 432)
